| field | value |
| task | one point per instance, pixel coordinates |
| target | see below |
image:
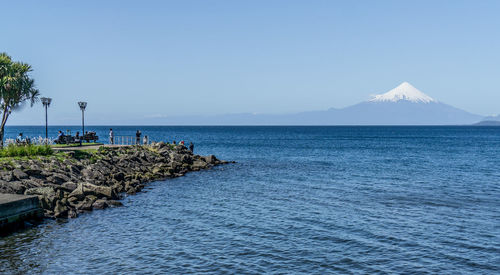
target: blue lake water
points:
(299, 200)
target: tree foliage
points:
(16, 88)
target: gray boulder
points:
(69, 186)
(100, 204)
(78, 192)
(19, 174)
(113, 203)
(210, 159)
(34, 171)
(99, 191)
(13, 187)
(47, 196)
(60, 210)
(6, 176)
(86, 204)
(199, 164)
(58, 178)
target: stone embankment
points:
(73, 184)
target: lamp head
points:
(46, 101)
(82, 105)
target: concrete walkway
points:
(15, 209)
(85, 147)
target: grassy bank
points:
(30, 150)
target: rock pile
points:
(67, 186)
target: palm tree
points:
(16, 87)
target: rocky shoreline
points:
(81, 181)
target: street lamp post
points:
(83, 105)
(46, 103)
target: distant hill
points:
(403, 105)
(492, 118)
(487, 123)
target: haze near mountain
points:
(403, 105)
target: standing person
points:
(111, 137)
(138, 137)
(145, 141)
(191, 147)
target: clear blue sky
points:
(141, 59)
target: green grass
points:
(85, 154)
(30, 150)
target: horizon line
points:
(258, 125)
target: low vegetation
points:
(30, 150)
(90, 154)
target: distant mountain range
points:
(492, 118)
(488, 123)
(403, 105)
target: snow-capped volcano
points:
(403, 105)
(405, 91)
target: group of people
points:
(61, 137)
(191, 145)
(20, 139)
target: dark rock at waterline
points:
(113, 203)
(100, 204)
(60, 210)
(210, 159)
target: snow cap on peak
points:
(405, 91)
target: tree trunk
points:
(2, 125)
(1, 138)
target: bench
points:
(91, 136)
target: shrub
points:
(13, 150)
